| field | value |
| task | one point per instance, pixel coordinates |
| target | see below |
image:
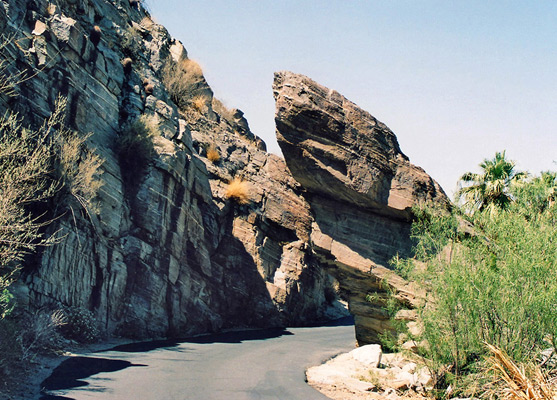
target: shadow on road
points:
(69, 373)
(225, 337)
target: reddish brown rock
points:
(360, 187)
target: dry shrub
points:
(198, 103)
(127, 64)
(39, 333)
(238, 191)
(95, 35)
(518, 382)
(80, 325)
(180, 78)
(149, 88)
(213, 154)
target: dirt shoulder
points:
(24, 381)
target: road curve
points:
(268, 364)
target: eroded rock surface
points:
(166, 253)
(360, 187)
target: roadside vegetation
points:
(46, 173)
(489, 320)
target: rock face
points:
(166, 253)
(360, 187)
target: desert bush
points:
(511, 381)
(238, 191)
(180, 78)
(39, 332)
(498, 286)
(131, 43)
(199, 103)
(78, 166)
(213, 154)
(80, 325)
(219, 107)
(135, 146)
(127, 64)
(95, 35)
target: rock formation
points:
(360, 187)
(167, 251)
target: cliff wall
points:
(168, 251)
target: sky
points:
(456, 81)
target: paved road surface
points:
(251, 365)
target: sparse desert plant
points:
(213, 154)
(127, 64)
(149, 88)
(131, 43)
(135, 145)
(219, 107)
(180, 79)
(95, 35)
(78, 166)
(238, 191)
(39, 332)
(199, 103)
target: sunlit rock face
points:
(360, 188)
(166, 252)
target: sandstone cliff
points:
(167, 252)
(360, 187)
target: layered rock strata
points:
(166, 252)
(360, 187)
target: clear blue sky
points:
(455, 80)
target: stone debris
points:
(346, 377)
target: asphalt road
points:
(267, 365)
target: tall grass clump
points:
(497, 286)
(181, 79)
(238, 191)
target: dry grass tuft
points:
(518, 382)
(213, 154)
(95, 35)
(199, 103)
(180, 79)
(238, 190)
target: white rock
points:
(368, 355)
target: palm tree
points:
(491, 187)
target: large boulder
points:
(361, 189)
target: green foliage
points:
(80, 325)
(497, 286)
(136, 148)
(491, 188)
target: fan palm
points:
(490, 188)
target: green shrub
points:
(135, 147)
(497, 286)
(80, 325)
